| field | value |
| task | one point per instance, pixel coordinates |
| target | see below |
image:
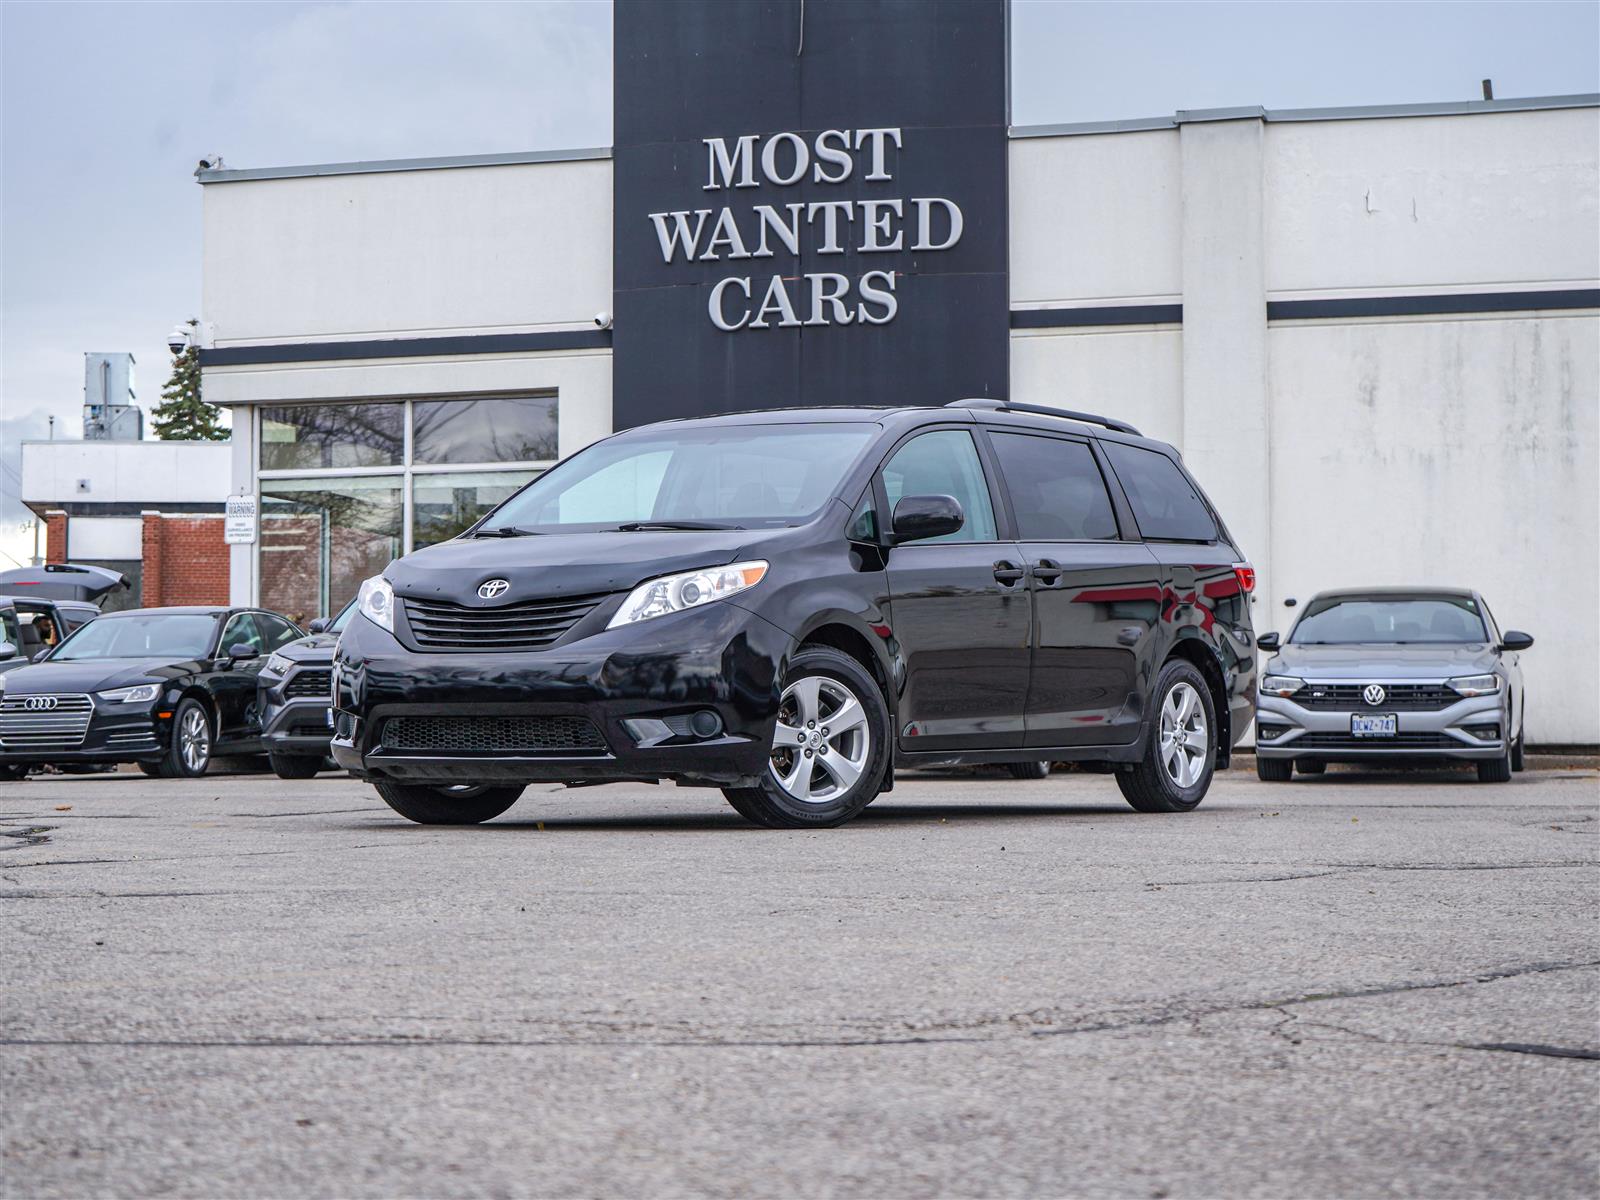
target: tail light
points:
(1246, 575)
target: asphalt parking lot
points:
(1356, 985)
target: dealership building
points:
(1373, 332)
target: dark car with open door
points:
(167, 688)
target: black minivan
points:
(789, 604)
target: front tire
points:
(830, 746)
(1175, 772)
(13, 772)
(447, 805)
(1517, 750)
(294, 766)
(1028, 770)
(1495, 770)
(189, 756)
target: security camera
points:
(211, 162)
(178, 339)
(603, 320)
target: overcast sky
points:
(108, 106)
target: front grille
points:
(1398, 697)
(58, 728)
(490, 735)
(530, 625)
(304, 684)
(1400, 741)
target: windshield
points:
(343, 619)
(149, 635)
(734, 477)
(1392, 620)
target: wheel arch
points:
(838, 632)
(1195, 650)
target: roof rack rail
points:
(991, 405)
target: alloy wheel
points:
(1184, 739)
(194, 740)
(822, 742)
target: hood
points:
(314, 647)
(562, 564)
(1365, 662)
(97, 675)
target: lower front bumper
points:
(299, 728)
(1286, 730)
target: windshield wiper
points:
(507, 531)
(637, 526)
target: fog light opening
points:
(1485, 733)
(705, 724)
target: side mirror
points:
(320, 625)
(40, 655)
(243, 652)
(1268, 641)
(918, 517)
(7, 650)
(1515, 639)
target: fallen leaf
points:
(63, 808)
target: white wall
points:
(1131, 372)
(408, 253)
(150, 473)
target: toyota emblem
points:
(39, 703)
(492, 588)
(1373, 694)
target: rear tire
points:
(829, 773)
(12, 772)
(1311, 766)
(152, 769)
(448, 806)
(1495, 770)
(1175, 771)
(1274, 770)
(294, 766)
(1029, 770)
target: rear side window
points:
(1164, 501)
(1056, 490)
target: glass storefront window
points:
(301, 436)
(443, 505)
(486, 429)
(321, 537)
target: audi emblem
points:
(1373, 694)
(39, 703)
(492, 588)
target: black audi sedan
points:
(787, 604)
(296, 699)
(166, 688)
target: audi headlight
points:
(376, 602)
(141, 693)
(674, 593)
(1474, 685)
(1281, 685)
(278, 664)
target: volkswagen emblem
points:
(39, 703)
(1373, 694)
(492, 588)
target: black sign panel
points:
(809, 204)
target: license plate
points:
(330, 718)
(1386, 725)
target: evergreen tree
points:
(182, 416)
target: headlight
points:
(1474, 685)
(1281, 685)
(376, 602)
(674, 593)
(139, 694)
(278, 664)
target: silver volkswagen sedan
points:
(1391, 675)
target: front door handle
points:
(1046, 571)
(1007, 573)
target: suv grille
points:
(60, 727)
(1400, 697)
(488, 735)
(531, 625)
(1400, 741)
(309, 683)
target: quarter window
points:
(1164, 502)
(943, 463)
(242, 629)
(1056, 490)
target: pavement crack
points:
(1534, 1048)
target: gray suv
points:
(1392, 675)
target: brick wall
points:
(185, 560)
(55, 537)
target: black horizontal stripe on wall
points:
(482, 343)
(1417, 306)
(1108, 314)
